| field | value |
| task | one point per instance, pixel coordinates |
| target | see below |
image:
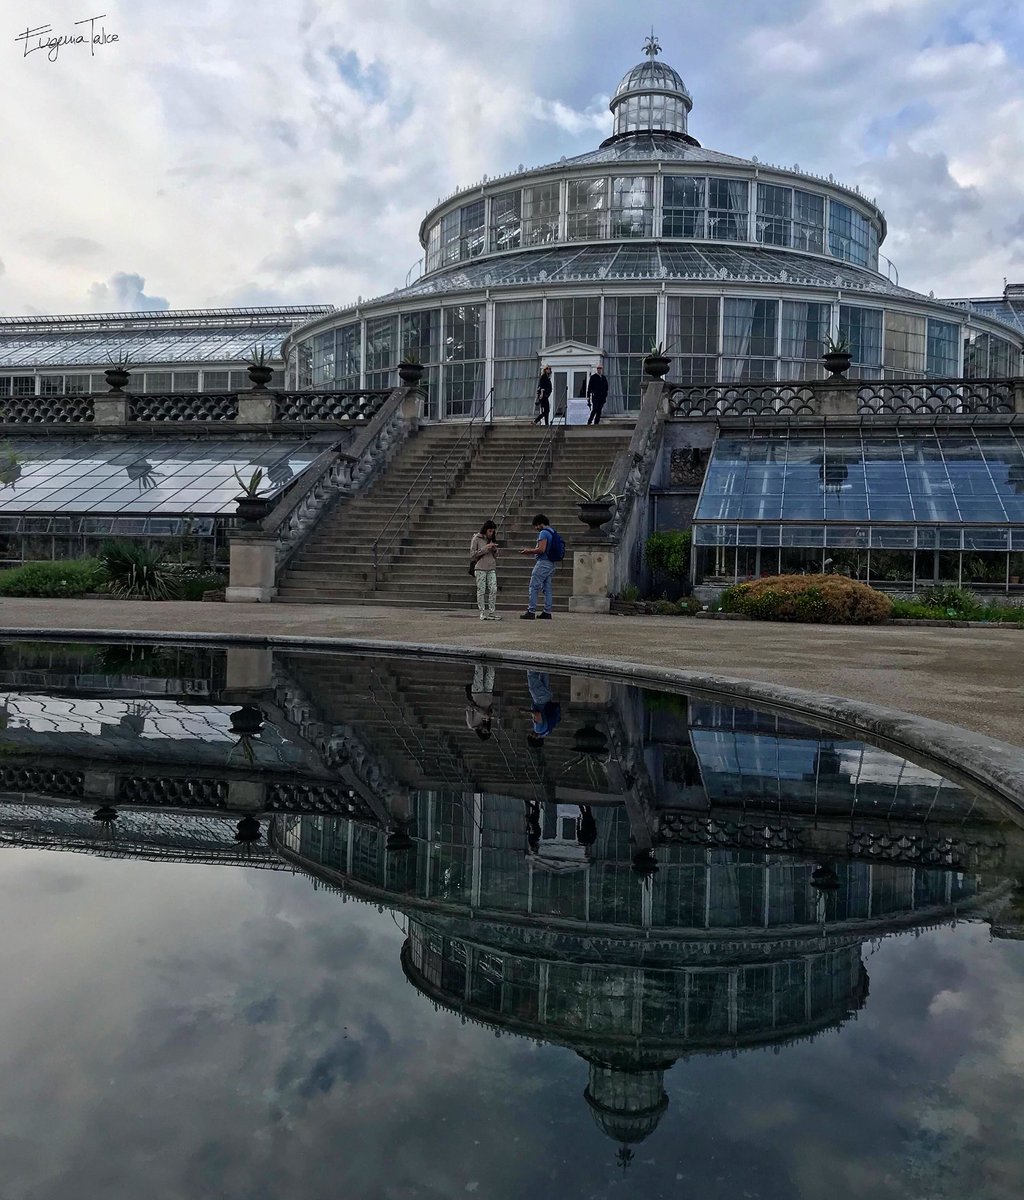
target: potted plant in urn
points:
(657, 362)
(260, 373)
(118, 372)
(252, 505)
(410, 369)
(596, 501)
(837, 357)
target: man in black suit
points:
(543, 402)
(597, 394)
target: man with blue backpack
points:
(548, 552)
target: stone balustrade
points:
(858, 398)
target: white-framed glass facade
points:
(349, 356)
(989, 357)
(862, 328)
(541, 213)
(805, 326)
(790, 217)
(850, 236)
(323, 359)
(684, 207)
(464, 348)
(574, 319)
(943, 349)
(518, 326)
(630, 328)
(506, 221)
(632, 206)
(586, 209)
(692, 336)
(749, 333)
(906, 344)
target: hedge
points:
(69, 577)
(819, 599)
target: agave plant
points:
(135, 572)
(253, 485)
(257, 356)
(122, 361)
(598, 492)
(837, 345)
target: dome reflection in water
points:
(637, 876)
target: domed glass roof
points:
(652, 76)
(651, 98)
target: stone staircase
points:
(426, 567)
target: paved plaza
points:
(968, 677)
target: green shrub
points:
(135, 572)
(666, 608)
(630, 593)
(69, 577)
(192, 587)
(822, 599)
(688, 606)
(669, 554)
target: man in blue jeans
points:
(543, 573)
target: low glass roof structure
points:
(164, 337)
(141, 477)
(858, 488)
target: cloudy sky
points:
(251, 152)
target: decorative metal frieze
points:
(174, 791)
(340, 477)
(925, 850)
(329, 406)
(184, 406)
(43, 781)
(330, 799)
(740, 400)
(936, 396)
(46, 410)
(694, 829)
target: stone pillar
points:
(250, 669)
(256, 407)
(252, 573)
(99, 785)
(1018, 396)
(247, 795)
(593, 575)
(110, 409)
(836, 398)
(584, 689)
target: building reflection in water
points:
(653, 877)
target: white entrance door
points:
(570, 394)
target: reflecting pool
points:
(325, 925)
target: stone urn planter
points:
(595, 513)
(247, 720)
(837, 363)
(588, 739)
(117, 378)
(252, 508)
(410, 373)
(657, 365)
(259, 377)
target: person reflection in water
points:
(546, 712)
(586, 827)
(533, 830)
(480, 694)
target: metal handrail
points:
(422, 488)
(541, 460)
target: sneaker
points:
(494, 616)
(543, 616)
(527, 616)
(483, 616)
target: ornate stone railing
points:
(631, 471)
(938, 396)
(740, 400)
(334, 474)
(849, 398)
(329, 406)
(178, 406)
(46, 410)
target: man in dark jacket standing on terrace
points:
(597, 394)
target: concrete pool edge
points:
(962, 754)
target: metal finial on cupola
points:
(652, 46)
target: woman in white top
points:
(483, 553)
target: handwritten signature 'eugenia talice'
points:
(43, 38)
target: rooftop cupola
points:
(651, 98)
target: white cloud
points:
(123, 293)
(255, 149)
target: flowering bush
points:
(820, 599)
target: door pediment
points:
(573, 350)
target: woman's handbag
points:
(472, 566)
